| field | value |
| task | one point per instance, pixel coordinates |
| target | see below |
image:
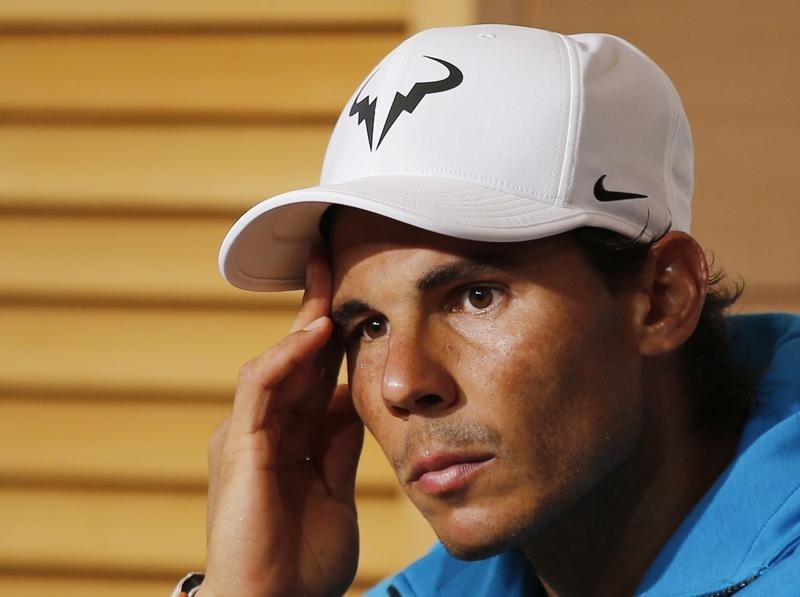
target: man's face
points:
(502, 381)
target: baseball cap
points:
(493, 133)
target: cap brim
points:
(266, 249)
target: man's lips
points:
(444, 472)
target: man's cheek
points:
(384, 427)
(365, 392)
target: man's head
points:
(504, 381)
(504, 370)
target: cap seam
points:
(576, 105)
(556, 173)
(468, 176)
(668, 162)
(409, 209)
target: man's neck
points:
(603, 545)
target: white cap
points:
(493, 133)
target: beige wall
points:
(132, 133)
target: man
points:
(501, 251)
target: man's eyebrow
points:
(464, 267)
(458, 269)
(344, 313)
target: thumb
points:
(339, 446)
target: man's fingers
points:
(259, 377)
(317, 297)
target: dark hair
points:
(723, 394)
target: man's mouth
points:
(440, 473)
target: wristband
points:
(189, 585)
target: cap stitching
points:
(471, 175)
(556, 170)
(577, 79)
(671, 142)
(413, 209)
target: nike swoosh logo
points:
(603, 194)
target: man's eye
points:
(374, 328)
(477, 298)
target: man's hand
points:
(281, 510)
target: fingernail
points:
(318, 322)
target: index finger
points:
(317, 296)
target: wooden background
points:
(132, 133)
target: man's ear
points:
(674, 283)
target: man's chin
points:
(473, 540)
(469, 552)
(481, 530)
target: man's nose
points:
(416, 379)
